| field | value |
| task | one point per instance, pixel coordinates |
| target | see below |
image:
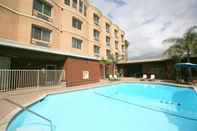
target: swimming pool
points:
(120, 107)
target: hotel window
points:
(76, 43)
(123, 48)
(75, 4)
(42, 9)
(107, 28)
(40, 36)
(116, 33)
(80, 6)
(67, 2)
(117, 56)
(76, 23)
(96, 19)
(122, 38)
(96, 49)
(96, 35)
(41, 33)
(123, 57)
(108, 53)
(85, 10)
(116, 44)
(107, 41)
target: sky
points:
(148, 22)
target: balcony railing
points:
(108, 45)
(42, 16)
(97, 54)
(40, 43)
(22, 79)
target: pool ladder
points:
(30, 111)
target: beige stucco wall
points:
(17, 20)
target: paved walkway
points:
(27, 96)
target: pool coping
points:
(8, 118)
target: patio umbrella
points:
(188, 66)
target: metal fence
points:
(14, 79)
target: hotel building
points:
(58, 34)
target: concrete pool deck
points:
(26, 97)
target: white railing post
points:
(38, 79)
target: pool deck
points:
(26, 97)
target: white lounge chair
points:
(116, 77)
(111, 77)
(152, 77)
(144, 77)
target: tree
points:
(127, 44)
(104, 62)
(113, 59)
(126, 47)
(183, 47)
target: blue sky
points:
(148, 22)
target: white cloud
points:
(148, 22)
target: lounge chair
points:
(152, 77)
(111, 77)
(144, 77)
(116, 77)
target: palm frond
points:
(192, 29)
(174, 40)
(127, 44)
(183, 46)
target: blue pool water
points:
(121, 107)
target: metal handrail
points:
(34, 113)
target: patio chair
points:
(144, 77)
(116, 77)
(111, 77)
(152, 77)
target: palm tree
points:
(113, 59)
(104, 62)
(184, 46)
(127, 44)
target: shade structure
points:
(186, 65)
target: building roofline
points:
(144, 61)
(20, 45)
(106, 17)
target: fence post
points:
(38, 79)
